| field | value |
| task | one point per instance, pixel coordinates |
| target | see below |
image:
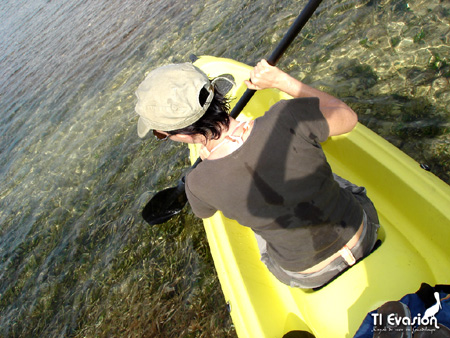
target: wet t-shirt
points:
(279, 184)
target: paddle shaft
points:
(291, 34)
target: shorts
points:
(362, 248)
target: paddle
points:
(169, 202)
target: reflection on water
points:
(75, 257)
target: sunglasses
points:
(160, 136)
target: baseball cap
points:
(168, 98)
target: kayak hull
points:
(415, 227)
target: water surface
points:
(76, 259)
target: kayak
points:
(413, 207)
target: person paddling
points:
(269, 174)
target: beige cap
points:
(168, 98)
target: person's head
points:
(179, 99)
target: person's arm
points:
(340, 117)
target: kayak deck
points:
(415, 227)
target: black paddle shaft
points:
(169, 202)
(291, 34)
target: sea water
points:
(76, 259)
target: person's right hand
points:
(264, 76)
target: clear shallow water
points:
(75, 257)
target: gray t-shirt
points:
(279, 184)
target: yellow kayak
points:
(414, 211)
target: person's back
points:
(279, 184)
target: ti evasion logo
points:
(395, 322)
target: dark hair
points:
(215, 119)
